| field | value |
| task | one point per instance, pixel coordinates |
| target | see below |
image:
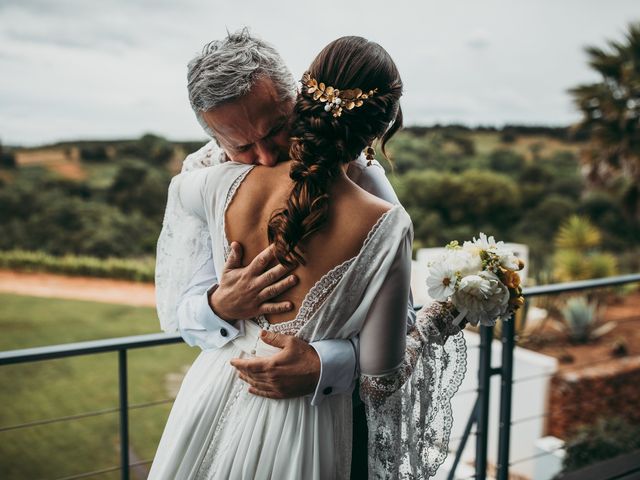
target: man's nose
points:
(267, 154)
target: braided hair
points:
(322, 143)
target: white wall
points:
(529, 399)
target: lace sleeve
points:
(409, 409)
(184, 245)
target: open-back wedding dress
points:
(217, 430)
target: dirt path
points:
(78, 288)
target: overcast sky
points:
(79, 69)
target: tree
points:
(611, 111)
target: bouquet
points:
(479, 279)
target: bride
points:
(352, 254)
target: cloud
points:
(479, 40)
(72, 68)
(85, 38)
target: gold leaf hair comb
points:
(336, 100)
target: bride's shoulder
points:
(212, 179)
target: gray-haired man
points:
(243, 95)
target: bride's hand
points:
(293, 372)
(244, 292)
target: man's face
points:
(253, 129)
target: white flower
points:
(441, 281)
(484, 243)
(508, 260)
(484, 297)
(464, 261)
(506, 257)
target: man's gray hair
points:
(227, 69)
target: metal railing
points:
(479, 414)
(120, 345)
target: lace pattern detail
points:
(208, 155)
(230, 194)
(409, 411)
(320, 291)
(184, 247)
(205, 470)
(315, 297)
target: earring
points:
(369, 154)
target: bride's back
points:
(352, 214)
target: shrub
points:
(607, 438)
(138, 269)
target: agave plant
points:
(581, 322)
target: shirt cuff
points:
(337, 368)
(218, 331)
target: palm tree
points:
(611, 113)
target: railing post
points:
(463, 440)
(484, 384)
(506, 387)
(124, 415)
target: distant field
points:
(487, 142)
(49, 389)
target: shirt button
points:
(223, 332)
(253, 352)
(327, 390)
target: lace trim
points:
(205, 470)
(230, 194)
(314, 298)
(409, 413)
(183, 247)
(208, 155)
(323, 288)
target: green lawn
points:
(56, 388)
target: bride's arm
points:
(408, 377)
(383, 337)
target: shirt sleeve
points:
(197, 323)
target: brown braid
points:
(321, 143)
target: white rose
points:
(483, 297)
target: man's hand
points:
(293, 372)
(244, 292)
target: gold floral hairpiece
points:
(336, 100)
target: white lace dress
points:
(217, 430)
